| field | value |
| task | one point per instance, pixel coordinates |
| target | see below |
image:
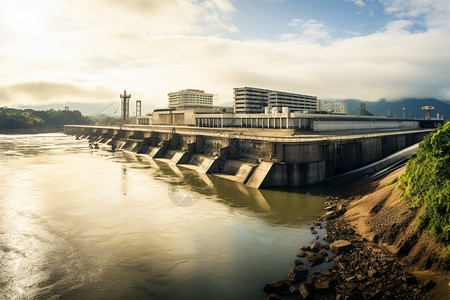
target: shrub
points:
(426, 182)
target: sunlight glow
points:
(25, 18)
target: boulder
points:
(372, 273)
(298, 262)
(294, 291)
(410, 279)
(429, 284)
(314, 259)
(322, 285)
(274, 297)
(278, 286)
(340, 246)
(304, 291)
(297, 274)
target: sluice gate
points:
(257, 158)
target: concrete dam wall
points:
(256, 158)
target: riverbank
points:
(30, 130)
(377, 252)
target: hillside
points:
(413, 107)
(13, 119)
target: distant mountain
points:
(412, 106)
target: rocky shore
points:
(353, 266)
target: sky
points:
(61, 51)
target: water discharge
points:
(77, 223)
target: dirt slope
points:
(383, 218)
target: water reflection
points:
(77, 223)
(286, 206)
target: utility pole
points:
(138, 108)
(125, 113)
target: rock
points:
(301, 254)
(298, 262)
(410, 279)
(322, 285)
(315, 247)
(274, 297)
(372, 273)
(278, 286)
(351, 279)
(304, 291)
(429, 284)
(361, 277)
(314, 259)
(305, 248)
(314, 231)
(294, 291)
(340, 246)
(328, 216)
(297, 274)
(319, 245)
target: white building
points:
(254, 100)
(190, 97)
(334, 107)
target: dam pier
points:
(256, 157)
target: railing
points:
(212, 132)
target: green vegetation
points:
(391, 182)
(106, 120)
(426, 183)
(11, 118)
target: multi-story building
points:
(334, 107)
(254, 100)
(295, 102)
(190, 97)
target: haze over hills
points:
(379, 108)
(92, 109)
(413, 107)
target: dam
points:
(256, 157)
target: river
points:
(77, 223)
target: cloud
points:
(151, 48)
(398, 25)
(150, 16)
(49, 92)
(359, 3)
(296, 22)
(433, 12)
(309, 29)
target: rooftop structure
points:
(254, 100)
(334, 107)
(190, 97)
